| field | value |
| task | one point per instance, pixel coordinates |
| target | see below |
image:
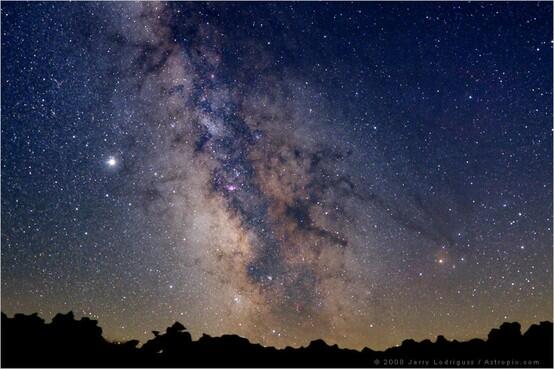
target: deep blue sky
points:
(296, 163)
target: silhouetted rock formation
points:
(27, 341)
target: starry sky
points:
(357, 172)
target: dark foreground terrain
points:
(27, 341)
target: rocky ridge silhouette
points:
(27, 341)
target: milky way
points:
(262, 170)
(264, 186)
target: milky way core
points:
(284, 172)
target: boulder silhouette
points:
(171, 344)
(508, 332)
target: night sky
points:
(357, 172)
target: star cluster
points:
(361, 172)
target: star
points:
(112, 161)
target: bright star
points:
(111, 161)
